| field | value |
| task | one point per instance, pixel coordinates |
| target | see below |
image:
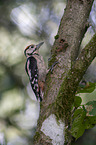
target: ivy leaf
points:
(88, 88)
(78, 126)
(77, 101)
(91, 107)
(90, 122)
(93, 103)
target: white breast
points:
(42, 70)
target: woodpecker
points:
(35, 69)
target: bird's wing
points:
(32, 71)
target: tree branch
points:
(62, 84)
(69, 86)
(74, 25)
(65, 98)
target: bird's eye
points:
(32, 46)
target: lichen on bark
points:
(62, 84)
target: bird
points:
(36, 69)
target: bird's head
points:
(32, 49)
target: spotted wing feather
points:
(32, 71)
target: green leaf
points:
(90, 122)
(78, 126)
(93, 103)
(82, 122)
(79, 112)
(92, 107)
(93, 112)
(77, 101)
(88, 88)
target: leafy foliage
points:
(92, 109)
(90, 121)
(81, 122)
(78, 123)
(88, 88)
(85, 115)
(77, 101)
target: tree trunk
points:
(55, 116)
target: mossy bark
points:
(62, 84)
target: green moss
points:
(56, 37)
(53, 59)
(48, 82)
(36, 137)
(50, 105)
(65, 9)
(64, 103)
(44, 117)
(63, 106)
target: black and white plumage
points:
(36, 69)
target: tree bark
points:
(61, 85)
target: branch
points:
(60, 86)
(71, 81)
(74, 25)
(69, 86)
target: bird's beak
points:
(38, 45)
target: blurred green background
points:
(23, 22)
